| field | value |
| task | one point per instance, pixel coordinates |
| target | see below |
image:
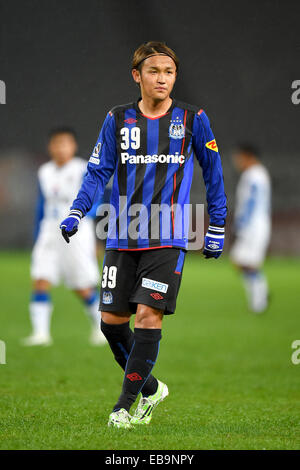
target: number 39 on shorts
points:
(109, 277)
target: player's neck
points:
(251, 163)
(154, 108)
(60, 163)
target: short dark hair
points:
(248, 148)
(55, 131)
(149, 49)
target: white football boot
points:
(37, 340)
(97, 338)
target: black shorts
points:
(149, 277)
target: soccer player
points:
(252, 224)
(52, 260)
(149, 145)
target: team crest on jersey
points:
(212, 145)
(176, 129)
(107, 298)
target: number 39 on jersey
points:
(130, 138)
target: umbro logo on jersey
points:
(130, 121)
(212, 145)
(134, 159)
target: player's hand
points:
(214, 241)
(69, 226)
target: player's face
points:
(157, 77)
(62, 148)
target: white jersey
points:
(253, 202)
(52, 258)
(59, 186)
(252, 217)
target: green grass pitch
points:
(231, 380)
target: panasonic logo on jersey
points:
(125, 157)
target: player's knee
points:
(249, 270)
(84, 293)
(40, 292)
(115, 318)
(148, 317)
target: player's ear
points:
(136, 75)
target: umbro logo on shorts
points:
(156, 296)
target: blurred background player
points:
(52, 260)
(252, 224)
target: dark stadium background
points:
(68, 62)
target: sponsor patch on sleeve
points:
(212, 145)
(94, 160)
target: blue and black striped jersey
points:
(152, 160)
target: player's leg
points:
(117, 286)
(139, 350)
(120, 337)
(256, 287)
(118, 277)
(80, 272)
(116, 328)
(40, 309)
(158, 282)
(143, 355)
(90, 298)
(45, 273)
(248, 255)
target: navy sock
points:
(139, 365)
(120, 339)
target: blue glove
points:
(214, 241)
(69, 226)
